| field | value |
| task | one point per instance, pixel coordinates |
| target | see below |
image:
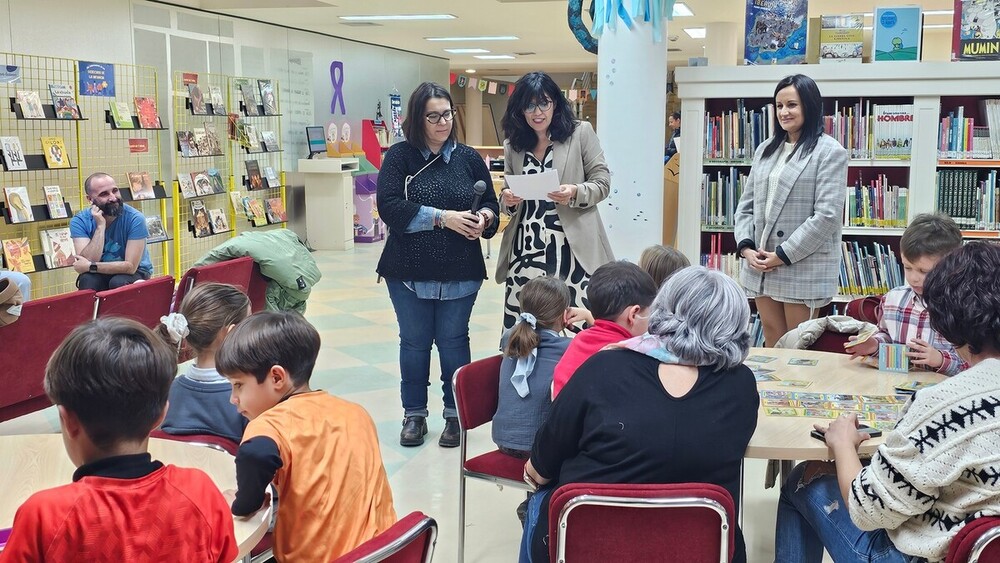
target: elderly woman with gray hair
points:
(674, 405)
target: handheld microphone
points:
(479, 189)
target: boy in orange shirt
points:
(109, 381)
(320, 451)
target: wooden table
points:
(787, 438)
(31, 463)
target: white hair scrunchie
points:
(529, 318)
(177, 326)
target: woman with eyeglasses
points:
(563, 235)
(433, 260)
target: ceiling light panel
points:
(494, 57)
(681, 10)
(475, 39)
(695, 32)
(399, 17)
(466, 51)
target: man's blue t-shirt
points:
(130, 225)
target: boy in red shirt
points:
(109, 380)
(620, 294)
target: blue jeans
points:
(423, 322)
(815, 516)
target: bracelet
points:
(527, 479)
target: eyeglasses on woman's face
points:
(435, 117)
(544, 106)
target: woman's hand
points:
(564, 194)
(842, 435)
(509, 199)
(531, 477)
(469, 225)
(762, 260)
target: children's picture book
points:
(975, 34)
(186, 144)
(213, 146)
(258, 216)
(18, 204)
(250, 102)
(841, 38)
(275, 209)
(199, 219)
(215, 97)
(897, 33)
(270, 140)
(31, 104)
(197, 97)
(892, 357)
(267, 98)
(215, 177)
(13, 154)
(55, 203)
(201, 142)
(186, 184)
(64, 101)
(251, 138)
(220, 224)
(202, 185)
(238, 204)
(776, 32)
(234, 125)
(141, 185)
(254, 180)
(55, 152)
(57, 248)
(145, 108)
(121, 114)
(17, 255)
(272, 177)
(155, 227)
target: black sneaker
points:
(414, 430)
(451, 435)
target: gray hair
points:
(703, 316)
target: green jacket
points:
(284, 260)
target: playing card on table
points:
(795, 383)
(761, 374)
(761, 359)
(802, 362)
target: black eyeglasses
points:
(544, 106)
(435, 117)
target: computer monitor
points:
(316, 136)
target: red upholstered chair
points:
(477, 386)
(977, 542)
(868, 309)
(257, 289)
(145, 301)
(684, 522)
(206, 440)
(29, 342)
(411, 540)
(234, 272)
(831, 341)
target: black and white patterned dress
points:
(541, 249)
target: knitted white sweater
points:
(938, 468)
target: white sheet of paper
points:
(534, 186)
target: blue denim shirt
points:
(424, 221)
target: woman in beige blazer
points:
(562, 236)
(789, 218)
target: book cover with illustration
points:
(267, 98)
(200, 142)
(275, 209)
(218, 184)
(197, 97)
(17, 255)
(213, 146)
(31, 104)
(145, 108)
(202, 185)
(270, 141)
(272, 177)
(841, 38)
(250, 102)
(220, 223)
(141, 185)
(186, 185)
(54, 150)
(156, 231)
(18, 204)
(892, 131)
(897, 34)
(13, 154)
(199, 219)
(251, 138)
(186, 144)
(254, 178)
(57, 248)
(64, 101)
(258, 216)
(975, 33)
(239, 205)
(121, 114)
(54, 200)
(776, 32)
(215, 97)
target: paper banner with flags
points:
(492, 88)
(483, 85)
(461, 80)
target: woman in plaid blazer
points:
(788, 221)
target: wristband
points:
(527, 479)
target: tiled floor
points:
(358, 361)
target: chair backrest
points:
(234, 272)
(477, 389)
(410, 540)
(257, 289)
(30, 341)
(206, 440)
(144, 302)
(977, 541)
(831, 341)
(680, 522)
(868, 309)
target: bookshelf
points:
(248, 146)
(934, 89)
(374, 141)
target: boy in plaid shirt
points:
(904, 319)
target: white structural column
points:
(721, 47)
(631, 123)
(473, 117)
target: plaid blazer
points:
(806, 220)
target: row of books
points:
(259, 211)
(728, 264)
(19, 204)
(63, 102)
(248, 92)
(868, 270)
(247, 135)
(959, 137)
(720, 193)
(201, 141)
(970, 200)
(735, 134)
(877, 204)
(145, 110)
(54, 149)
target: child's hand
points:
(866, 348)
(577, 314)
(923, 354)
